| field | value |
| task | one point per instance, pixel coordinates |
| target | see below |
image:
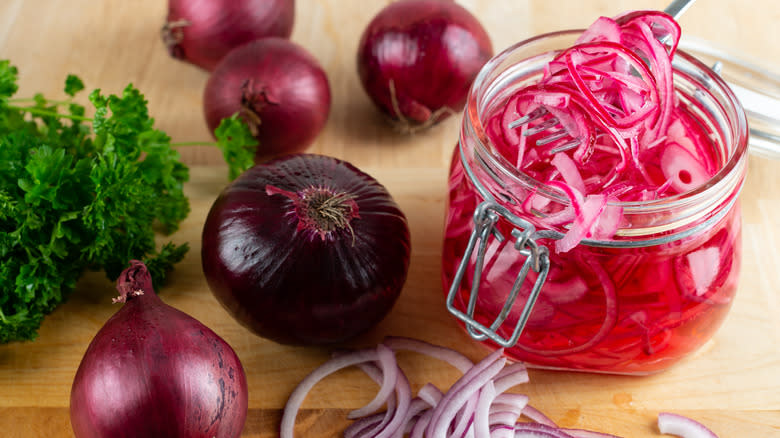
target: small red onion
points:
(306, 249)
(154, 371)
(203, 31)
(278, 88)
(417, 59)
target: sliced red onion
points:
(504, 413)
(610, 314)
(590, 212)
(682, 426)
(416, 408)
(431, 394)
(568, 169)
(502, 418)
(582, 433)
(464, 419)
(421, 425)
(685, 170)
(464, 387)
(537, 416)
(398, 398)
(568, 290)
(512, 375)
(389, 369)
(366, 425)
(575, 197)
(538, 430)
(603, 29)
(299, 393)
(370, 424)
(475, 406)
(454, 358)
(502, 431)
(613, 96)
(502, 425)
(446, 410)
(404, 394)
(482, 412)
(513, 400)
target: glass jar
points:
(633, 304)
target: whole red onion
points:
(417, 59)
(306, 249)
(154, 371)
(204, 31)
(277, 87)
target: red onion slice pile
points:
(476, 405)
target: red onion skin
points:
(204, 31)
(285, 87)
(291, 284)
(154, 371)
(431, 50)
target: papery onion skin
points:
(154, 371)
(280, 90)
(203, 31)
(417, 59)
(292, 282)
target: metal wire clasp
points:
(536, 256)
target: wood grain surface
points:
(732, 384)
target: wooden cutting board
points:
(732, 384)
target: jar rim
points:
(714, 184)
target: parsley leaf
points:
(73, 85)
(237, 144)
(8, 80)
(77, 194)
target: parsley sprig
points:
(79, 193)
(237, 144)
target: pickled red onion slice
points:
(704, 265)
(627, 135)
(568, 169)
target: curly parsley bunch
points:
(79, 193)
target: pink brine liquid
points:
(617, 310)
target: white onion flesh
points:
(683, 427)
(476, 405)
